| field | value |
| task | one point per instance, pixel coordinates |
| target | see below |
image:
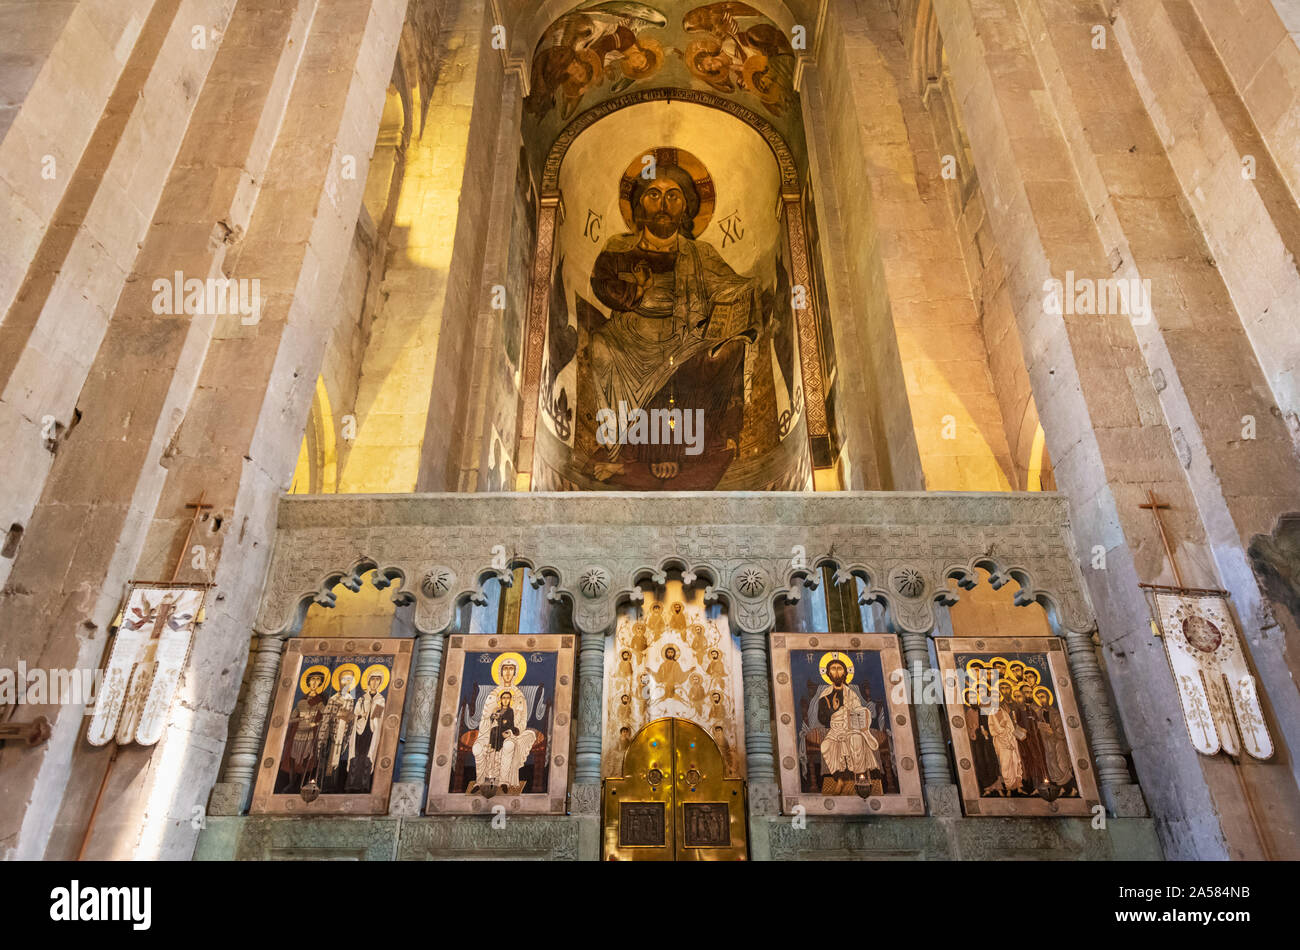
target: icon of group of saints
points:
(1017, 737)
(504, 741)
(840, 725)
(670, 664)
(331, 741)
(695, 677)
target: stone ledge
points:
(573, 838)
(955, 839)
(385, 838)
(304, 512)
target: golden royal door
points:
(674, 801)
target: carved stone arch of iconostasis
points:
(362, 604)
(673, 654)
(517, 599)
(982, 609)
(1026, 465)
(830, 598)
(711, 87)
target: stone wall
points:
(225, 159)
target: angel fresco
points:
(757, 58)
(597, 44)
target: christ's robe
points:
(654, 331)
(848, 745)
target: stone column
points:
(230, 796)
(591, 691)
(764, 795)
(932, 748)
(413, 768)
(1121, 796)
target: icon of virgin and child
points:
(505, 742)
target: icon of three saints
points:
(331, 740)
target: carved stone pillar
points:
(409, 790)
(230, 795)
(1122, 797)
(585, 796)
(764, 795)
(932, 748)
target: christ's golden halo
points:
(841, 657)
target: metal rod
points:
(99, 797)
(1185, 590)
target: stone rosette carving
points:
(750, 581)
(593, 582)
(907, 581)
(437, 582)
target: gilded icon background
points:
(669, 658)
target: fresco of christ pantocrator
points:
(680, 322)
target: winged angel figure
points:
(597, 44)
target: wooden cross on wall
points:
(1155, 506)
(199, 507)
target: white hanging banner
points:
(1219, 697)
(149, 652)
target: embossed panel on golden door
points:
(674, 801)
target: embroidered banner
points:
(1219, 696)
(150, 650)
